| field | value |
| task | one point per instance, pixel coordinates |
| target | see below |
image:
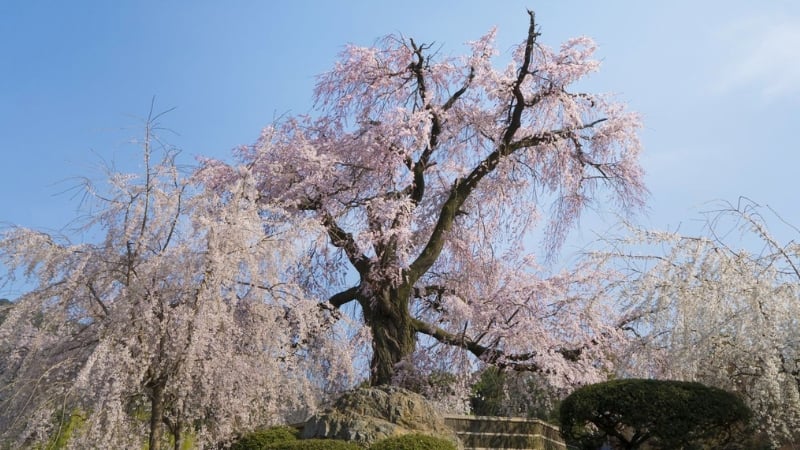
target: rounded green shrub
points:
(661, 414)
(414, 441)
(313, 444)
(261, 439)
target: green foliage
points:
(67, 427)
(285, 438)
(488, 394)
(500, 393)
(5, 307)
(262, 439)
(663, 414)
(313, 444)
(188, 441)
(413, 441)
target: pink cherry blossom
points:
(428, 174)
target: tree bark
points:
(156, 416)
(393, 334)
(178, 438)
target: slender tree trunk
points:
(393, 334)
(156, 416)
(178, 435)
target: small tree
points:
(520, 394)
(662, 414)
(181, 318)
(719, 307)
(489, 393)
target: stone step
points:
(489, 448)
(506, 448)
(513, 425)
(480, 432)
(508, 441)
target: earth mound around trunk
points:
(366, 415)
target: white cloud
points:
(761, 54)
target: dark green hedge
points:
(663, 414)
(413, 441)
(313, 444)
(261, 439)
(286, 438)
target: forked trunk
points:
(393, 334)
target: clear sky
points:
(717, 82)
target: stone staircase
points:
(490, 433)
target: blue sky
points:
(717, 82)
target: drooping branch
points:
(97, 299)
(177, 215)
(496, 357)
(550, 136)
(759, 228)
(490, 354)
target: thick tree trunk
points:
(156, 416)
(393, 334)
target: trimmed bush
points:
(313, 444)
(414, 441)
(662, 414)
(261, 439)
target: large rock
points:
(369, 414)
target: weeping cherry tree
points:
(181, 324)
(428, 175)
(720, 307)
